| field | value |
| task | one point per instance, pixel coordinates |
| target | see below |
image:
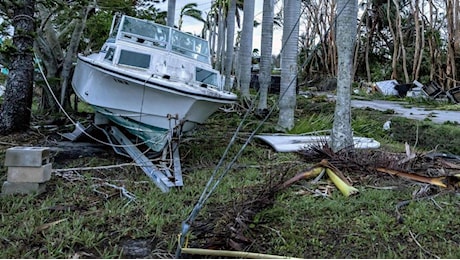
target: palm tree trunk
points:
(220, 38)
(342, 135)
(289, 52)
(171, 13)
(230, 42)
(245, 55)
(266, 52)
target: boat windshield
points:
(189, 45)
(156, 33)
(150, 33)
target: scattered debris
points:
(387, 87)
(440, 171)
(454, 94)
(387, 125)
(294, 143)
(415, 89)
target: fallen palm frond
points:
(312, 172)
(338, 179)
(438, 181)
(343, 186)
(334, 174)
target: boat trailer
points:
(163, 176)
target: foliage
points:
(96, 31)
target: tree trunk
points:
(395, 56)
(220, 38)
(230, 41)
(332, 41)
(16, 108)
(288, 86)
(342, 135)
(366, 55)
(171, 13)
(245, 58)
(450, 63)
(70, 55)
(266, 53)
(401, 40)
(433, 46)
(419, 42)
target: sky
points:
(193, 26)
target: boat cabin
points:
(161, 51)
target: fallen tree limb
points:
(438, 181)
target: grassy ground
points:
(82, 214)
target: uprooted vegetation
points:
(85, 214)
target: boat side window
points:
(135, 59)
(109, 55)
(206, 76)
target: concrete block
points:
(22, 188)
(27, 156)
(29, 174)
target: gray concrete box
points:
(29, 174)
(22, 188)
(27, 156)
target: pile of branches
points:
(227, 226)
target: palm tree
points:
(245, 52)
(342, 135)
(289, 52)
(171, 13)
(216, 20)
(230, 40)
(190, 11)
(266, 52)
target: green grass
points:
(359, 227)
(80, 216)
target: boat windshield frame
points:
(155, 35)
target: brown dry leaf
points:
(48, 225)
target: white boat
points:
(151, 79)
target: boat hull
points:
(152, 101)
